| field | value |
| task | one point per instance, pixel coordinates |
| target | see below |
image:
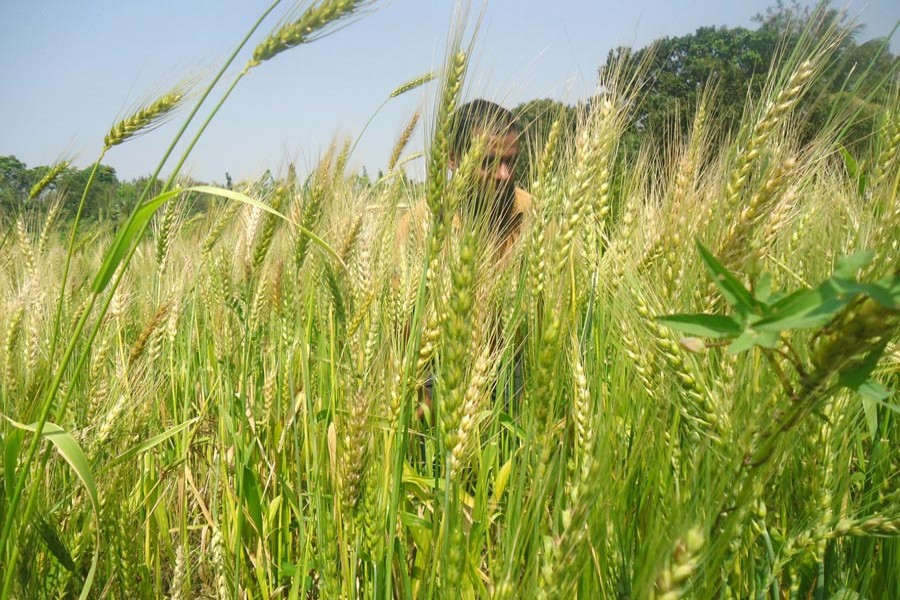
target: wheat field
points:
(228, 404)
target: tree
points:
(14, 183)
(737, 62)
(101, 198)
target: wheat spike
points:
(47, 179)
(313, 24)
(144, 119)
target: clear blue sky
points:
(70, 69)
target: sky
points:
(71, 68)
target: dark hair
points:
(479, 114)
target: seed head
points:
(145, 119)
(312, 25)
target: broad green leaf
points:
(808, 308)
(413, 478)
(850, 163)
(741, 344)
(870, 411)
(287, 569)
(848, 266)
(734, 291)
(763, 289)
(126, 237)
(888, 405)
(794, 301)
(858, 376)
(885, 291)
(251, 498)
(414, 521)
(751, 338)
(713, 326)
(511, 426)
(501, 480)
(874, 391)
(272, 511)
(69, 449)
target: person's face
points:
(497, 170)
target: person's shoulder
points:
(523, 202)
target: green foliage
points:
(737, 62)
(72, 453)
(107, 198)
(765, 318)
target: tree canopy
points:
(737, 61)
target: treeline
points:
(108, 198)
(734, 63)
(674, 71)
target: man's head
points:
(496, 172)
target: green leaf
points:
(854, 378)
(763, 289)
(790, 301)
(874, 391)
(885, 291)
(848, 266)
(251, 498)
(751, 338)
(150, 443)
(713, 326)
(126, 237)
(287, 569)
(734, 291)
(887, 405)
(804, 309)
(69, 449)
(233, 195)
(500, 481)
(850, 163)
(53, 542)
(852, 166)
(415, 521)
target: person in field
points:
(492, 199)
